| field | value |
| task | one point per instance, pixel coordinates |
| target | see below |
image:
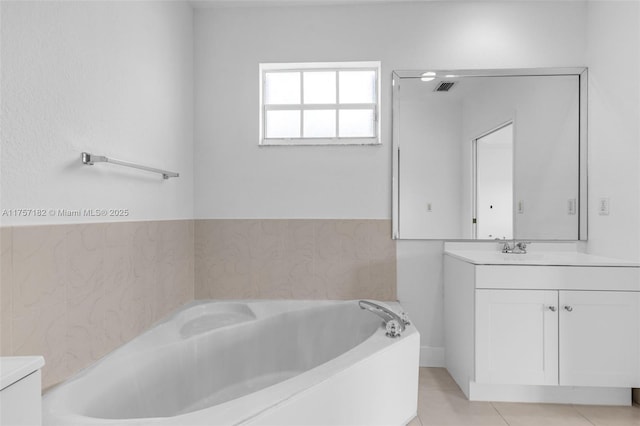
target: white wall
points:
(111, 78)
(428, 125)
(236, 178)
(614, 127)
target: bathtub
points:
(250, 363)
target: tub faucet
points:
(394, 323)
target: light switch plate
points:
(603, 206)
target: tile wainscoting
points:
(73, 293)
(295, 259)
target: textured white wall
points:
(111, 78)
(614, 127)
(236, 178)
(429, 125)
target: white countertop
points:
(544, 258)
(14, 368)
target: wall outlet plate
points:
(603, 206)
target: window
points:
(319, 103)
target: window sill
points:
(321, 142)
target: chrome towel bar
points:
(90, 159)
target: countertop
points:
(14, 368)
(542, 258)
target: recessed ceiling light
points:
(428, 76)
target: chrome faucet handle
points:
(506, 247)
(522, 245)
(393, 328)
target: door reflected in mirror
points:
(488, 154)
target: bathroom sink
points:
(519, 257)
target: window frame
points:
(319, 66)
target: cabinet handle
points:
(568, 308)
(551, 308)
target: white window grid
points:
(310, 67)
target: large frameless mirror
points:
(486, 154)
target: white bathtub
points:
(250, 363)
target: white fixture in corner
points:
(20, 384)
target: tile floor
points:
(442, 403)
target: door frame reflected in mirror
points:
(501, 174)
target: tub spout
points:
(394, 323)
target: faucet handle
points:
(393, 328)
(506, 247)
(522, 245)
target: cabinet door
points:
(599, 338)
(517, 337)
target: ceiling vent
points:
(444, 86)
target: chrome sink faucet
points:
(513, 246)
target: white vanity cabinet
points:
(599, 338)
(543, 333)
(548, 337)
(516, 337)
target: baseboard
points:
(431, 356)
(550, 394)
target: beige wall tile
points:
(6, 256)
(85, 256)
(40, 264)
(80, 291)
(267, 259)
(203, 231)
(86, 334)
(227, 271)
(174, 278)
(298, 262)
(43, 332)
(294, 258)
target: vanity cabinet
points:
(516, 337)
(549, 337)
(542, 333)
(599, 338)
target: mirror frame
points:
(580, 72)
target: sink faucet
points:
(519, 247)
(394, 323)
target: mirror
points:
(486, 154)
